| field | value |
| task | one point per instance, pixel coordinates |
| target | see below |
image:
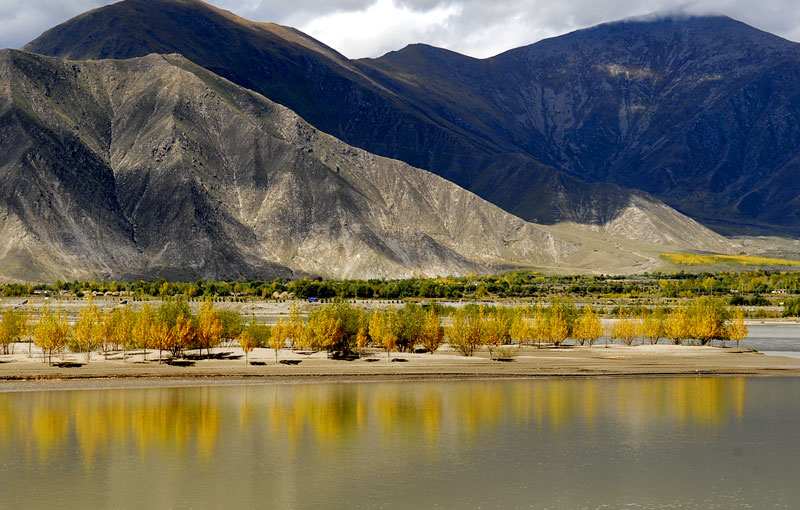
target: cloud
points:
(22, 21)
(481, 28)
(380, 27)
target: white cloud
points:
(481, 28)
(21, 21)
(380, 27)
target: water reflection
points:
(193, 422)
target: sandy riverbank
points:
(20, 372)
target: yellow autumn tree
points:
(465, 332)
(677, 326)
(495, 332)
(248, 344)
(184, 335)
(51, 332)
(651, 325)
(520, 330)
(383, 329)
(105, 331)
(540, 331)
(163, 336)
(86, 331)
(361, 338)
(326, 328)
(559, 324)
(707, 319)
(432, 332)
(278, 336)
(737, 329)
(142, 334)
(209, 327)
(296, 328)
(588, 327)
(123, 330)
(624, 328)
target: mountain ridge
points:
(700, 111)
(156, 167)
(340, 97)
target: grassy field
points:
(694, 259)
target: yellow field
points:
(694, 259)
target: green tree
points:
(12, 328)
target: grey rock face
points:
(156, 167)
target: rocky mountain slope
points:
(701, 112)
(156, 167)
(334, 94)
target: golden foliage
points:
(247, 343)
(652, 326)
(86, 332)
(278, 336)
(432, 332)
(694, 259)
(465, 332)
(737, 330)
(142, 335)
(325, 328)
(588, 327)
(624, 329)
(209, 327)
(677, 326)
(51, 332)
(495, 332)
(383, 327)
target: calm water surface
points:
(551, 444)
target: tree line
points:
(342, 329)
(744, 287)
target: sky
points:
(480, 28)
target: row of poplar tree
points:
(342, 329)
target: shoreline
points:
(527, 363)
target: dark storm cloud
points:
(477, 27)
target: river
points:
(546, 444)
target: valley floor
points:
(18, 372)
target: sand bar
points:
(19, 372)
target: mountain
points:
(701, 112)
(155, 167)
(334, 94)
